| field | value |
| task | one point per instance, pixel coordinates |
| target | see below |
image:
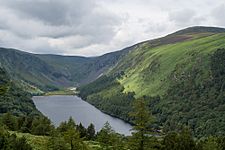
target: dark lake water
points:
(60, 108)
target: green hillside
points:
(152, 75)
(14, 99)
(38, 73)
(181, 75)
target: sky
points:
(96, 27)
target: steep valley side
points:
(182, 82)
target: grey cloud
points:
(182, 17)
(93, 27)
(218, 14)
(49, 11)
(76, 23)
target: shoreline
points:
(126, 122)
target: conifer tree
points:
(142, 122)
(82, 130)
(72, 137)
(91, 132)
(105, 135)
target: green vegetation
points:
(196, 103)
(13, 99)
(61, 92)
(141, 136)
(12, 142)
(180, 76)
(152, 67)
(43, 73)
(114, 102)
(70, 136)
(37, 142)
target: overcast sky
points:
(95, 27)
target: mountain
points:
(181, 76)
(38, 73)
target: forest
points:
(189, 116)
(71, 136)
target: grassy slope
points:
(158, 67)
(37, 142)
(41, 142)
(151, 75)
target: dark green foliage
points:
(14, 99)
(211, 143)
(20, 143)
(100, 84)
(221, 142)
(25, 124)
(9, 121)
(142, 133)
(35, 125)
(72, 137)
(198, 104)
(71, 134)
(179, 141)
(57, 142)
(11, 142)
(41, 126)
(109, 139)
(91, 132)
(71, 123)
(64, 126)
(4, 82)
(82, 130)
(115, 103)
(105, 134)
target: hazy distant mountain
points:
(49, 72)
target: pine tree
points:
(82, 130)
(91, 132)
(71, 123)
(57, 142)
(72, 137)
(62, 127)
(108, 138)
(142, 121)
(104, 135)
(41, 126)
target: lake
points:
(59, 108)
